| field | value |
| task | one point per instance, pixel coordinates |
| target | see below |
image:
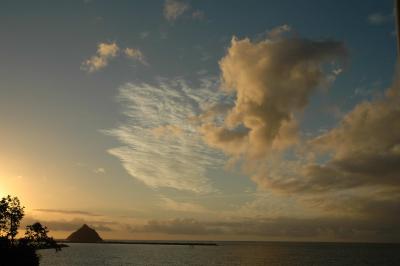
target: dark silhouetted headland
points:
(85, 234)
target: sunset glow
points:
(203, 120)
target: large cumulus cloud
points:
(352, 170)
(367, 142)
(362, 151)
(271, 79)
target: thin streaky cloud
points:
(73, 212)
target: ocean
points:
(225, 253)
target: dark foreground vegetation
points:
(20, 251)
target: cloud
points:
(160, 147)
(278, 31)
(271, 80)
(309, 179)
(198, 15)
(105, 52)
(100, 170)
(363, 151)
(144, 34)
(187, 226)
(173, 9)
(365, 147)
(135, 54)
(166, 130)
(361, 155)
(69, 225)
(371, 205)
(379, 18)
(339, 228)
(73, 212)
(170, 204)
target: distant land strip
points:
(147, 243)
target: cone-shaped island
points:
(85, 234)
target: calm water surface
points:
(226, 253)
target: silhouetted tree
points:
(22, 251)
(36, 236)
(11, 214)
(36, 232)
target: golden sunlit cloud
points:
(105, 52)
(272, 80)
(135, 54)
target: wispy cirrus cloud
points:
(160, 146)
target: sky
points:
(207, 120)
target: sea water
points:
(225, 253)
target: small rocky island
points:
(85, 234)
